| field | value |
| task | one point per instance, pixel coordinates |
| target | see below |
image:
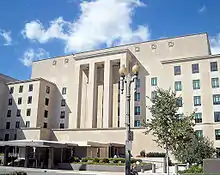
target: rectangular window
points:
(198, 117)
(46, 101)
(11, 90)
(197, 100)
(10, 101)
(61, 125)
(216, 99)
(29, 99)
(213, 66)
(178, 85)
(63, 102)
(28, 113)
(6, 137)
(215, 82)
(138, 83)
(137, 123)
(15, 136)
(45, 125)
(47, 89)
(217, 116)
(27, 124)
(196, 84)
(137, 110)
(177, 70)
(137, 96)
(154, 81)
(180, 102)
(62, 114)
(153, 95)
(217, 134)
(17, 124)
(195, 68)
(9, 113)
(18, 113)
(45, 114)
(64, 91)
(199, 133)
(20, 89)
(8, 125)
(19, 100)
(30, 89)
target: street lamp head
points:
(135, 69)
(123, 71)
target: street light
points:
(126, 79)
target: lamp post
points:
(126, 79)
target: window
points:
(45, 125)
(215, 82)
(46, 101)
(198, 117)
(9, 113)
(17, 124)
(178, 85)
(63, 102)
(180, 102)
(137, 123)
(154, 81)
(30, 87)
(64, 91)
(217, 134)
(15, 136)
(28, 113)
(27, 124)
(199, 133)
(61, 125)
(197, 100)
(7, 125)
(196, 84)
(177, 70)
(137, 96)
(195, 68)
(216, 99)
(153, 95)
(20, 89)
(47, 89)
(29, 99)
(217, 116)
(11, 90)
(19, 100)
(137, 110)
(6, 137)
(10, 101)
(45, 114)
(62, 114)
(213, 66)
(138, 83)
(18, 112)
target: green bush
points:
(155, 154)
(105, 160)
(192, 169)
(142, 153)
(85, 159)
(96, 160)
(76, 159)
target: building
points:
(76, 99)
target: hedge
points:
(155, 154)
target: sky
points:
(39, 29)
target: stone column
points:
(26, 163)
(51, 158)
(107, 103)
(92, 97)
(123, 61)
(6, 155)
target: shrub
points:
(142, 153)
(105, 160)
(192, 169)
(85, 159)
(76, 159)
(155, 154)
(96, 160)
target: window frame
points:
(194, 100)
(178, 84)
(18, 113)
(47, 101)
(154, 81)
(216, 102)
(196, 84)
(63, 102)
(216, 117)
(48, 89)
(215, 84)
(198, 117)
(215, 68)
(30, 88)
(28, 112)
(46, 113)
(217, 136)
(195, 68)
(136, 112)
(64, 91)
(21, 87)
(30, 98)
(177, 70)
(19, 100)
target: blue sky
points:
(37, 29)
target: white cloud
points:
(100, 22)
(7, 37)
(31, 55)
(215, 44)
(202, 9)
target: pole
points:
(127, 125)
